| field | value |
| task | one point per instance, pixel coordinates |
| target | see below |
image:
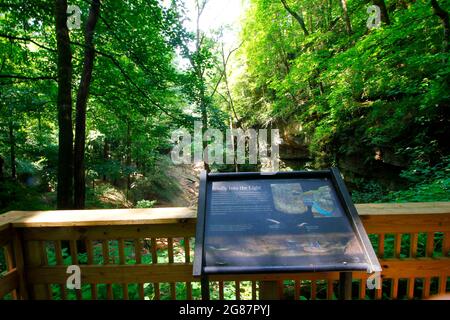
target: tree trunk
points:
(296, 16)
(384, 14)
(64, 101)
(444, 16)
(1, 168)
(348, 25)
(82, 97)
(12, 144)
(128, 157)
(105, 155)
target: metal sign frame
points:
(334, 177)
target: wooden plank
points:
(20, 264)
(330, 289)
(141, 291)
(153, 249)
(221, 297)
(170, 249)
(406, 223)
(381, 245)
(138, 251)
(429, 248)
(446, 244)
(108, 274)
(33, 259)
(411, 208)
(313, 290)
(58, 253)
(394, 288)
(121, 245)
(187, 250)
(9, 257)
(188, 290)
(9, 282)
(268, 290)
(442, 285)
(110, 232)
(94, 295)
(106, 261)
(410, 288)
(237, 286)
(90, 251)
(110, 217)
(43, 250)
(426, 288)
(397, 245)
(413, 245)
(254, 291)
(362, 289)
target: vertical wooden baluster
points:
(442, 285)
(254, 290)
(446, 244)
(43, 249)
(122, 261)
(330, 289)
(426, 288)
(20, 264)
(155, 261)
(9, 256)
(313, 290)
(90, 261)
(297, 290)
(398, 245)
(430, 244)
(138, 258)
(106, 261)
(221, 296)
(187, 259)
(173, 292)
(411, 283)
(238, 290)
(394, 288)
(74, 255)
(413, 247)
(60, 262)
(33, 254)
(362, 289)
(381, 246)
(280, 288)
(379, 291)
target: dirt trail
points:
(187, 178)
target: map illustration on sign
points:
(278, 223)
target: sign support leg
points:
(345, 285)
(205, 287)
(268, 290)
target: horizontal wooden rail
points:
(152, 249)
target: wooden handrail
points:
(39, 231)
(110, 217)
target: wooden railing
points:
(147, 254)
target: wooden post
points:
(268, 290)
(18, 257)
(33, 258)
(345, 285)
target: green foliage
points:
(145, 204)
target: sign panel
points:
(285, 222)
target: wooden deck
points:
(147, 253)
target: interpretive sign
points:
(282, 222)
